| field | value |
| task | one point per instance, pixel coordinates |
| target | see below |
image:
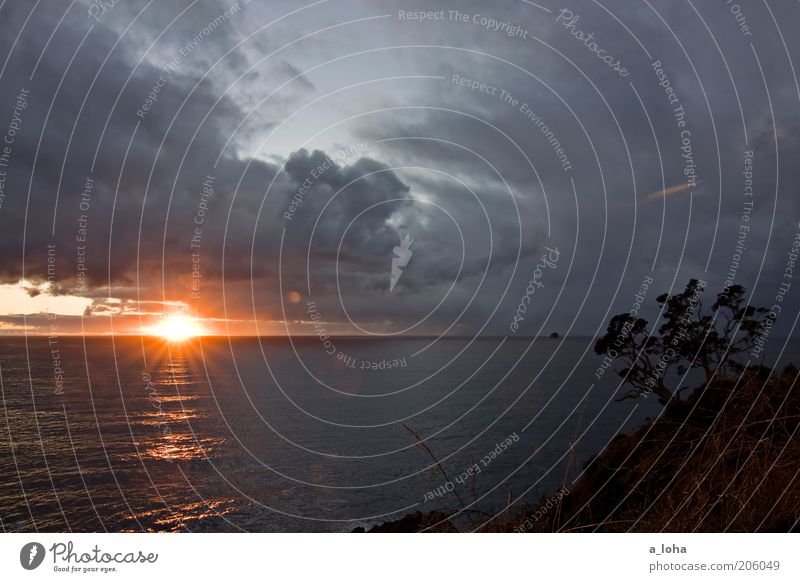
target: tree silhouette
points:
(688, 338)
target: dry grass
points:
(726, 459)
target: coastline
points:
(704, 465)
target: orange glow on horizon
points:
(176, 328)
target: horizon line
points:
(303, 335)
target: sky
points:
(353, 167)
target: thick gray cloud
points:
(348, 117)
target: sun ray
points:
(176, 328)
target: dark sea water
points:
(277, 435)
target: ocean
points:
(279, 434)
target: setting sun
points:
(176, 328)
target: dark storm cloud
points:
(700, 230)
(458, 166)
(138, 218)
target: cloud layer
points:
(220, 156)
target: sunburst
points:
(176, 328)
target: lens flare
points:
(176, 328)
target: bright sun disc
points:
(176, 328)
